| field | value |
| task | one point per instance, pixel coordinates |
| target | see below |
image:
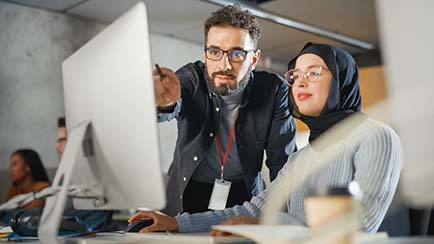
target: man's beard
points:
(225, 90)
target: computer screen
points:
(109, 82)
(409, 60)
(111, 119)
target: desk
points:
(197, 239)
(134, 240)
(150, 238)
(408, 240)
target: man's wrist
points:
(166, 107)
(175, 225)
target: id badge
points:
(219, 195)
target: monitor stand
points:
(54, 205)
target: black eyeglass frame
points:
(228, 53)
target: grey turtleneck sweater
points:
(209, 169)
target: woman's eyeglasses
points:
(312, 74)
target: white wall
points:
(33, 44)
(172, 53)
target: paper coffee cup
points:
(323, 205)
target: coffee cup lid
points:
(351, 189)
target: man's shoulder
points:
(269, 81)
(191, 73)
(194, 67)
(265, 73)
(266, 76)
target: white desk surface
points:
(158, 238)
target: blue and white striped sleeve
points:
(202, 222)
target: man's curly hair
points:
(234, 16)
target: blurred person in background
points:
(61, 136)
(28, 175)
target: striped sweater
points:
(370, 154)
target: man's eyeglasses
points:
(234, 55)
(312, 74)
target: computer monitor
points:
(113, 145)
(409, 61)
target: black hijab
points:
(344, 95)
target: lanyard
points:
(228, 149)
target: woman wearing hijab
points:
(324, 87)
(27, 174)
